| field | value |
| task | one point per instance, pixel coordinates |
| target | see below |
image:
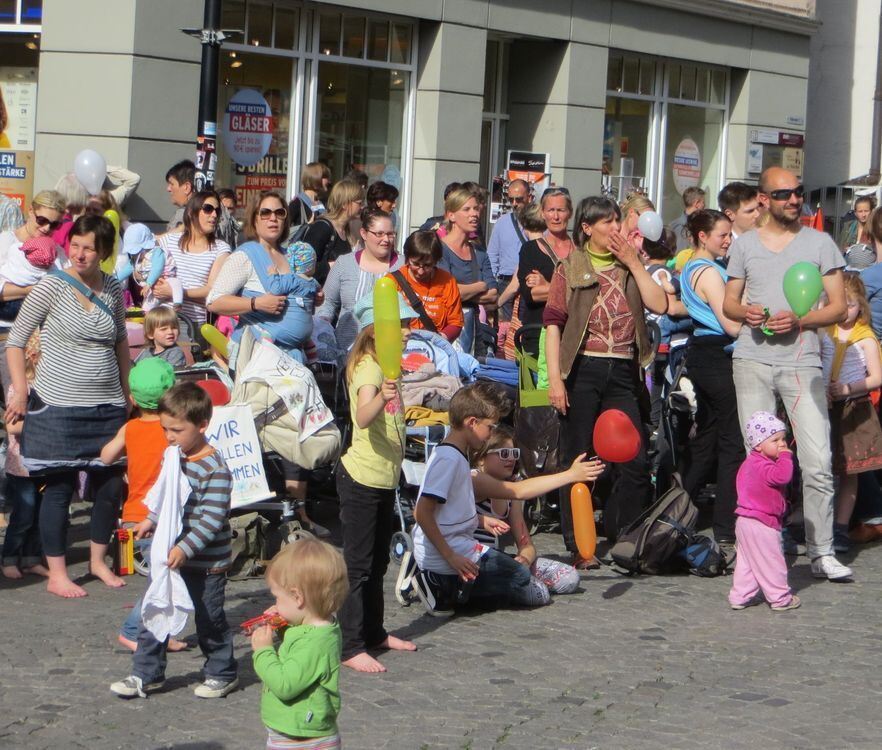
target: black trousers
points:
(366, 514)
(596, 384)
(718, 440)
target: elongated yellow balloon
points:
(387, 328)
(109, 264)
(216, 339)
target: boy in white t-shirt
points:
(453, 566)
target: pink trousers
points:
(760, 565)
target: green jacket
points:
(300, 693)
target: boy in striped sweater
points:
(202, 552)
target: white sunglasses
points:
(507, 454)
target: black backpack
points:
(649, 545)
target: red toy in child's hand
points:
(274, 621)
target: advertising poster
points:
(18, 114)
(687, 165)
(254, 133)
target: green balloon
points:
(802, 287)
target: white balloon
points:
(90, 169)
(650, 225)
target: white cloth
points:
(167, 602)
(17, 269)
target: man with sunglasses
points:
(787, 363)
(508, 236)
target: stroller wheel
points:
(142, 562)
(297, 535)
(533, 514)
(401, 543)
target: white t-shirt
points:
(448, 481)
(193, 270)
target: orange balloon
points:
(583, 520)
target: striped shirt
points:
(78, 364)
(193, 270)
(206, 537)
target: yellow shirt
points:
(374, 458)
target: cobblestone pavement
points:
(624, 663)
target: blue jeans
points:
(132, 624)
(502, 579)
(467, 338)
(215, 637)
(22, 544)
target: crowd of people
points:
(611, 318)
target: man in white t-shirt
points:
(787, 364)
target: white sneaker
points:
(830, 568)
(215, 688)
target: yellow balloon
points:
(387, 328)
(109, 265)
(682, 258)
(216, 339)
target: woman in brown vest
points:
(596, 343)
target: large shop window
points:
(360, 120)
(337, 87)
(270, 78)
(664, 129)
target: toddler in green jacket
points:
(301, 699)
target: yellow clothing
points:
(374, 458)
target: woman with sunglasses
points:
(328, 233)
(499, 460)
(539, 258)
(596, 342)
(241, 289)
(43, 218)
(354, 274)
(198, 253)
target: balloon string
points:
(798, 388)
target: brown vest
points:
(582, 288)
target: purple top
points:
(760, 484)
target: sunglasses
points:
(209, 209)
(42, 221)
(507, 454)
(279, 213)
(555, 191)
(785, 193)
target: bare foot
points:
(100, 570)
(65, 588)
(364, 663)
(175, 645)
(127, 643)
(397, 644)
(11, 571)
(37, 570)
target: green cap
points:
(149, 379)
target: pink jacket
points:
(760, 484)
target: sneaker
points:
(433, 593)
(758, 599)
(840, 537)
(134, 687)
(792, 604)
(830, 568)
(215, 688)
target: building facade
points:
(659, 94)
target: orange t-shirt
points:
(440, 298)
(145, 444)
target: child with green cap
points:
(143, 442)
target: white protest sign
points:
(231, 431)
(290, 381)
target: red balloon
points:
(217, 391)
(616, 440)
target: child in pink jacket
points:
(760, 569)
